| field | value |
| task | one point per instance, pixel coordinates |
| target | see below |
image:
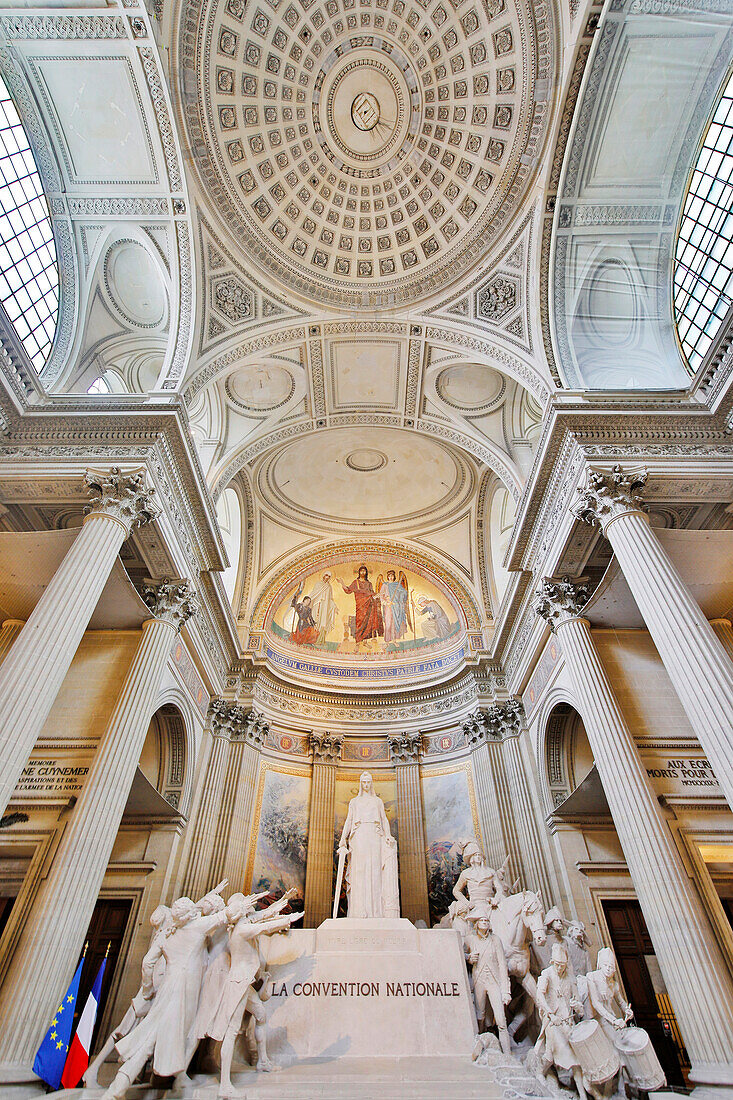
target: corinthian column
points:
(227, 721)
(405, 750)
(53, 936)
(698, 665)
(236, 807)
(506, 721)
(694, 969)
(494, 795)
(35, 667)
(326, 751)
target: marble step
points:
(359, 1079)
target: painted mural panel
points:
(347, 787)
(281, 832)
(373, 608)
(450, 815)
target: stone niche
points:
(368, 988)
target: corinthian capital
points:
(606, 496)
(557, 601)
(326, 747)
(172, 601)
(474, 729)
(504, 719)
(256, 729)
(405, 748)
(227, 719)
(125, 497)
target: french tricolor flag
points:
(78, 1057)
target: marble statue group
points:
(585, 1037)
(203, 977)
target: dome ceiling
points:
(364, 477)
(365, 153)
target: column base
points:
(717, 1075)
(18, 1082)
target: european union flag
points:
(51, 1056)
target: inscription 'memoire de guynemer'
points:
(367, 989)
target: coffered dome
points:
(366, 152)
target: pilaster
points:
(405, 751)
(326, 749)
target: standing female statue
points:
(371, 872)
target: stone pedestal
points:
(368, 988)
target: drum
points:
(639, 1059)
(598, 1059)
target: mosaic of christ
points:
(365, 607)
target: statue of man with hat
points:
(476, 879)
(491, 985)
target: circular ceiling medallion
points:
(471, 387)
(260, 388)
(134, 284)
(365, 111)
(365, 154)
(366, 461)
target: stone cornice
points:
(657, 430)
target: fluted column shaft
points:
(246, 782)
(525, 798)
(488, 803)
(319, 866)
(53, 937)
(691, 961)
(35, 667)
(201, 874)
(412, 844)
(698, 665)
(10, 630)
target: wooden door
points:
(645, 987)
(107, 927)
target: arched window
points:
(29, 277)
(703, 275)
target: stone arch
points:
(171, 733)
(565, 753)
